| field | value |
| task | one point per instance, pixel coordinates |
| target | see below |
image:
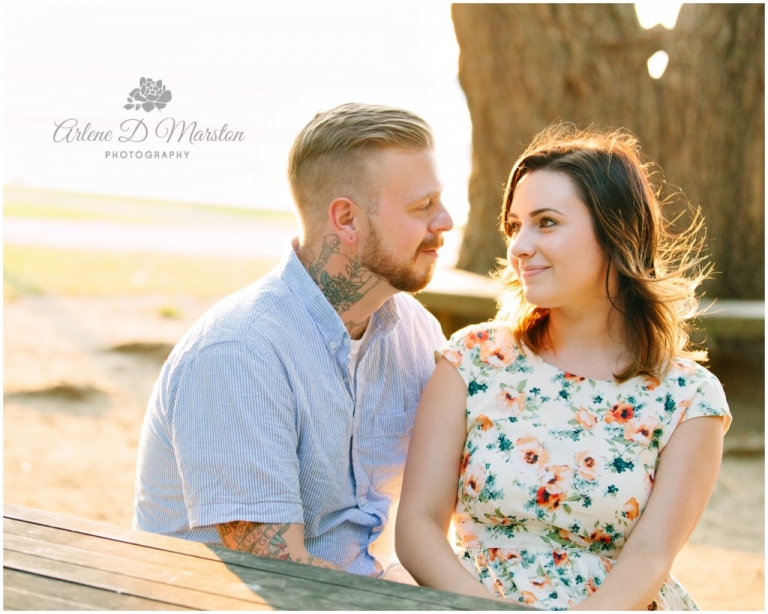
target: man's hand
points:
(277, 541)
(395, 572)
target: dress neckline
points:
(568, 375)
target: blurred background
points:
(108, 260)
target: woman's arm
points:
(688, 468)
(430, 487)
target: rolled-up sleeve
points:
(235, 438)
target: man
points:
(280, 422)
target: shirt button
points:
(334, 345)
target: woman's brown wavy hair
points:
(658, 269)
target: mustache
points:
(435, 242)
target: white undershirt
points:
(357, 349)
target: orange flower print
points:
(510, 402)
(587, 466)
(631, 509)
(586, 418)
(531, 452)
(621, 413)
(560, 557)
(469, 540)
(484, 421)
(648, 481)
(574, 379)
(499, 586)
(574, 538)
(686, 369)
(640, 430)
(592, 586)
(453, 357)
(542, 584)
(528, 597)
(600, 536)
(474, 480)
(503, 554)
(465, 461)
(497, 354)
(558, 478)
(504, 521)
(474, 338)
(547, 500)
(607, 563)
(651, 383)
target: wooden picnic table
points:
(55, 562)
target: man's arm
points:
(277, 541)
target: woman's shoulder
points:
(484, 332)
(489, 343)
(686, 373)
(690, 390)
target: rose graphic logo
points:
(151, 94)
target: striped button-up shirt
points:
(255, 417)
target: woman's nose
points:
(521, 245)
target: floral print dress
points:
(558, 468)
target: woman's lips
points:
(532, 271)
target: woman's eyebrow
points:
(536, 212)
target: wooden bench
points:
(458, 298)
(54, 562)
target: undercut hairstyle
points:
(329, 157)
(658, 269)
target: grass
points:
(59, 204)
(41, 270)
(38, 270)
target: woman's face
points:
(553, 248)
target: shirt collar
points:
(320, 310)
(324, 315)
(385, 317)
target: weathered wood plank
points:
(199, 574)
(424, 597)
(77, 596)
(138, 587)
(22, 600)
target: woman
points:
(568, 421)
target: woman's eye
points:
(546, 222)
(512, 228)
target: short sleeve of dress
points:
(709, 400)
(458, 351)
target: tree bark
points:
(524, 66)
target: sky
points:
(263, 69)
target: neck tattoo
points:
(342, 290)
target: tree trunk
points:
(524, 66)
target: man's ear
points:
(344, 214)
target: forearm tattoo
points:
(264, 540)
(256, 538)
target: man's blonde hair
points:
(328, 158)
